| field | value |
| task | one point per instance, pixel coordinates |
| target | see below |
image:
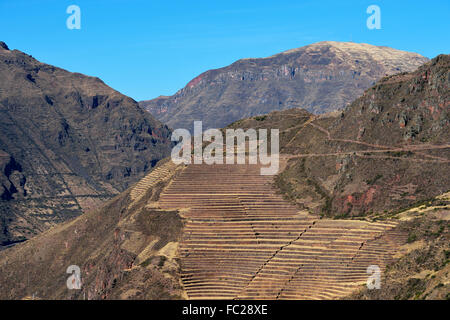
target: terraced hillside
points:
(200, 231)
(242, 240)
(423, 271)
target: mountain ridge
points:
(320, 77)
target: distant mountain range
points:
(68, 142)
(320, 78)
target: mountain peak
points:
(393, 60)
(343, 45)
(320, 78)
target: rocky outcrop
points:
(11, 178)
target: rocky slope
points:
(388, 150)
(321, 77)
(68, 142)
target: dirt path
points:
(377, 149)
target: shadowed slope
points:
(68, 143)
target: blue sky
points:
(152, 47)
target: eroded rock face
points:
(11, 178)
(321, 77)
(69, 141)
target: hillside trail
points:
(375, 148)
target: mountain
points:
(68, 142)
(387, 150)
(320, 77)
(360, 187)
